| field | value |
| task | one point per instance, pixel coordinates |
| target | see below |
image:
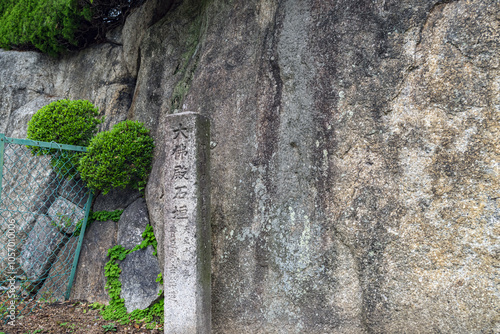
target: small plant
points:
(120, 157)
(68, 325)
(100, 216)
(97, 306)
(109, 327)
(103, 216)
(159, 279)
(64, 222)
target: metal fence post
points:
(2, 150)
(78, 248)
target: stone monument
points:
(187, 273)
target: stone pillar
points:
(187, 273)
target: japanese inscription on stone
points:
(187, 228)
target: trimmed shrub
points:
(120, 157)
(64, 122)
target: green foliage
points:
(116, 310)
(62, 222)
(70, 326)
(109, 328)
(56, 26)
(64, 122)
(159, 279)
(120, 157)
(97, 306)
(49, 25)
(103, 216)
(99, 216)
(149, 239)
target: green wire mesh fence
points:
(44, 207)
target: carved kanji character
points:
(180, 192)
(180, 172)
(180, 212)
(180, 131)
(179, 151)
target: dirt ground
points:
(70, 317)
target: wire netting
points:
(42, 211)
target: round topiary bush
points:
(120, 157)
(64, 122)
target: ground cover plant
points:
(152, 316)
(72, 316)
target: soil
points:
(71, 316)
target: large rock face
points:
(354, 155)
(89, 278)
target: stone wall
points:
(354, 151)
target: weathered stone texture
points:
(138, 277)
(56, 284)
(116, 199)
(27, 193)
(132, 224)
(40, 249)
(65, 215)
(333, 131)
(187, 237)
(89, 279)
(354, 153)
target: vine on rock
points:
(116, 310)
(99, 216)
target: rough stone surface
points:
(132, 224)
(354, 153)
(138, 277)
(27, 193)
(17, 127)
(42, 198)
(73, 190)
(40, 249)
(355, 184)
(56, 284)
(89, 279)
(65, 215)
(116, 199)
(187, 246)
